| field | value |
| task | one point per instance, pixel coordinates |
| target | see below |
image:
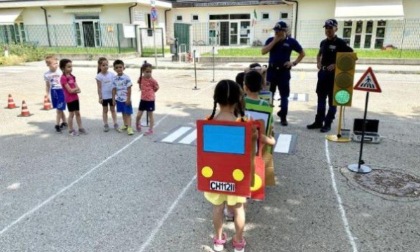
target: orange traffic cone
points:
(10, 103)
(47, 103)
(25, 111)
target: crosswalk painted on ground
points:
(293, 97)
(187, 135)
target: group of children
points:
(114, 90)
(232, 98)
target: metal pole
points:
(154, 42)
(118, 38)
(360, 167)
(339, 122)
(363, 131)
(213, 65)
(195, 71)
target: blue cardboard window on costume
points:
(224, 139)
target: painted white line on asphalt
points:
(189, 138)
(339, 201)
(161, 221)
(175, 135)
(74, 182)
(283, 143)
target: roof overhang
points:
(26, 4)
(8, 16)
(369, 9)
(222, 3)
(81, 9)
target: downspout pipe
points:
(296, 4)
(166, 18)
(48, 26)
(166, 21)
(129, 11)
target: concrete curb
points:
(240, 68)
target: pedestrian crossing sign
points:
(368, 82)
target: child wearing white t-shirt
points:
(104, 80)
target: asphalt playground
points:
(107, 191)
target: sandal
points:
(239, 246)
(149, 132)
(219, 245)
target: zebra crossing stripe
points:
(187, 135)
(175, 135)
(283, 143)
(293, 97)
(189, 138)
(302, 97)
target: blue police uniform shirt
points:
(329, 49)
(280, 53)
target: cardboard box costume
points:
(225, 156)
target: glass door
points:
(88, 33)
(234, 33)
(245, 33)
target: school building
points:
(365, 24)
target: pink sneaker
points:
(149, 132)
(219, 245)
(239, 246)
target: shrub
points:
(11, 60)
(28, 51)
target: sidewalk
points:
(167, 63)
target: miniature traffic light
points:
(344, 77)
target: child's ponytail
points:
(142, 68)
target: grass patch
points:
(150, 51)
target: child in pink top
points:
(71, 89)
(148, 88)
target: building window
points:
(284, 15)
(265, 16)
(347, 31)
(358, 34)
(194, 17)
(219, 17)
(179, 18)
(240, 16)
(380, 34)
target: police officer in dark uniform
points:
(326, 65)
(278, 73)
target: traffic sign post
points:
(153, 14)
(153, 17)
(366, 83)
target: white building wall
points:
(62, 32)
(261, 31)
(312, 14)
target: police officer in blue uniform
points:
(326, 65)
(280, 48)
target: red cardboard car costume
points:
(225, 156)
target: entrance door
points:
(224, 33)
(234, 33)
(88, 33)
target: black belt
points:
(324, 68)
(277, 67)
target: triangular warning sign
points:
(368, 82)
